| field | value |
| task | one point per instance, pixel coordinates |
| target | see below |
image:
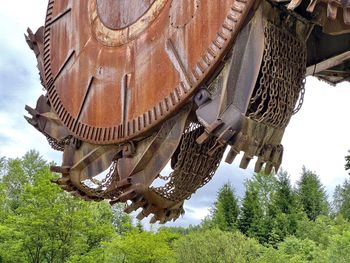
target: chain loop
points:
(281, 77)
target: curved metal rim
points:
(159, 112)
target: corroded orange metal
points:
(115, 69)
(133, 84)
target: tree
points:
(3, 164)
(284, 198)
(251, 213)
(347, 162)
(312, 195)
(122, 222)
(134, 247)
(47, 224)
(226, 210)
(254, 219)
(214, 245)
(17, 173)
(341, 199)
(284, 211)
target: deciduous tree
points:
(341, 199)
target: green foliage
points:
(284, 210)
(312, 195)
(41, 223)
(251, 214)
(339, 249)
(226, 210)
(341, 199)
(347, 162)
(134, 247)
(296, 250)
(121, 221)
(254, 219)
(3, 166)
(216, 246)
(178, 230)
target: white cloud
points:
(319, 135)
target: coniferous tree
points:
(226, 209)
(254, 219)
(251, 213)
(284, 198)
(285, 210)
(347, 162)
(312, 195)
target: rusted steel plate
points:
(116, 69)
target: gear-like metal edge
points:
(138, 126)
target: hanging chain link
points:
(301, 98)
(280, 83)
(58, 145)
(194, 167)
(111, 177)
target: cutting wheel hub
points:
(122, 13)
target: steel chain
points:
(281, 77)
(194, 167)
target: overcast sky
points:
(317, 137)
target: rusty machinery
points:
(133, 84)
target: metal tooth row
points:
(332, 8)
(114, 133)
(227, 29)
(65, 183)
(269, 156)
(139, 201)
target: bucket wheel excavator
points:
(132, 85)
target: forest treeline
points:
(274, 222)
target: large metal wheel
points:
(116, 69)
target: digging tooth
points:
(161, 216)
(176, 215)
(268, 168)
(245, 161)
(31, 111)
(332, 11)
(231, 156)
(153, 220)
(258, 165)
(169, 216)
(31, 121)
(130, 208)
(135, 205)
(277, 167)
(141, 215)
(62, 181)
